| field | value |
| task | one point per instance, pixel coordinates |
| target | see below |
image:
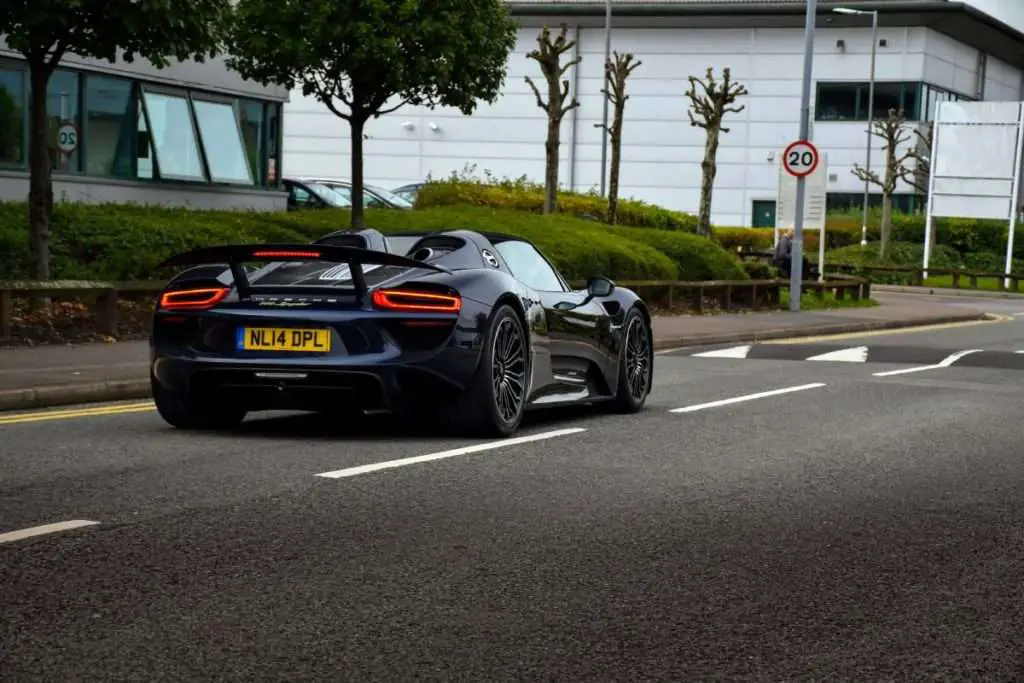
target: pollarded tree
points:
(616, 72)
(708, 106)
(44, 31)
(366, 59)
(549, 56)
(893, 132)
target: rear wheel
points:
(636, 364)
(186, 412)
(494, 402)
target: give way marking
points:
(454, 452)
(944, 363)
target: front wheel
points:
(636, 364)
(494, 402)
(186, 412)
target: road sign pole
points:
(797, 271)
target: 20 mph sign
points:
(800, 158)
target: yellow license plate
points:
(284, 339)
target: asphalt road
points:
(855, 527)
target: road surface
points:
(763, 519)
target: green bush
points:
(125, 242)
(696, 257)
(899, 254)
(523, 196)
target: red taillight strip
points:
(192, 299)
(286, 254)
(408, 300)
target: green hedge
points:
(523, 196)
(125, 242)
(964, 235)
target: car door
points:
(579, 330)
(300, 197)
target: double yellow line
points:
(43, 416)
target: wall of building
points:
(661, 151)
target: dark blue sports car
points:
(462, 326)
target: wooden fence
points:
(698, 296)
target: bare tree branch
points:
(708, 106)
(548, 55)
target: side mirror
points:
(599, 287)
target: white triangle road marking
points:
(732, 352)
(856, 354)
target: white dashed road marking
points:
(732, 352)
(20, 534)
(748, 397)
(465, 450)
(944, 363)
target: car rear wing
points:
(235, 255)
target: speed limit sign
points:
(67, 138)
(800, 158)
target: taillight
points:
(413, 301)
(286, 254)
(192, 299)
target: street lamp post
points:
(604, 79)
(871, 112)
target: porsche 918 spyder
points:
(468, 327)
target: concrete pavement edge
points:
(74, 394)
(124, 390)
(946, 291)
(795, 332)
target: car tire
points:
(186, 412)
(636, 364)
(490, 406)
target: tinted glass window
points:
(529, 267)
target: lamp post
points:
(871, 111)
(604, 79)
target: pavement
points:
(47, 376)
(760, 520)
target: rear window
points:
(319, 274)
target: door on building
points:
(763, 213)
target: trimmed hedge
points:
(125, 241)
(964, 235)
(522, 196)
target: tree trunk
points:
(708, 172)
(886, 226)
(551, 163)
(613, 173)
(357, 123)
(40, 193)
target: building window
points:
(168, 120)
(254, 133)
(273, 145)
(110, 127)
(115, 127)
(849, 101)
(12, 117)
(222, 142)
(62, 99)
(932, 96)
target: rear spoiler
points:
(234, 255)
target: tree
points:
(44, 31)
(707, 109)
(892, 130)
(549, 56)
(366, 59)
(616, 72)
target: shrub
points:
(125, 242)
(758, 270)
(522, 196)
(760, 239)
(696, 257)
(900, 254)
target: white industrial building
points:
(927, 51)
